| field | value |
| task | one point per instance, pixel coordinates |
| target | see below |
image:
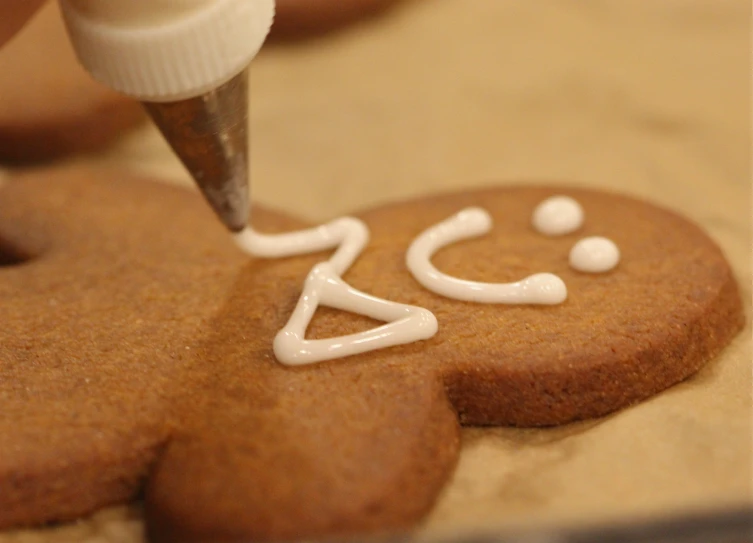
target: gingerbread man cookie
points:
(140, 348)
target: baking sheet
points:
(649, 98)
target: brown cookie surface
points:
(137, 349)
(301, 18)
(49, 106)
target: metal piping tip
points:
(210, 136)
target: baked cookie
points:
(141, 349)
(49, 106)
(303, 18)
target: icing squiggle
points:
(346, 234)
(324, 286)
(540, 288)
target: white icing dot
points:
(594, 255)
(557, 216)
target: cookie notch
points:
(11, 256)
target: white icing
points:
(405, 323)
(324, 286)
(347, 234)
(594, 255)
(557, 216)
(540, 288)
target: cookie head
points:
(621, 335)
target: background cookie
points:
(301, 18)
(124, 380)
(49, 106)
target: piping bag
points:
(187, 62)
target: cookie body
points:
(49, 106)
(136, 352)
(302, 18)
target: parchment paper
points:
(650, 98)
